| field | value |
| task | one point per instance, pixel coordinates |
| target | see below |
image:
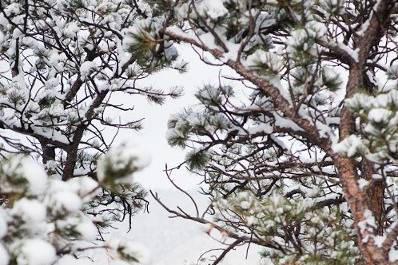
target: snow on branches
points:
(63, 63)
(310, 110)
(45, 220)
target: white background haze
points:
(171, 241)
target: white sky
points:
(171, 241)
(152, 139)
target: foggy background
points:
(172, 241)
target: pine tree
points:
(302, 158)
(62, 65)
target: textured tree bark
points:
(48, 151)
(358, 201)
(375, 192)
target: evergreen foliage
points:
(63, 63)
(301, 159)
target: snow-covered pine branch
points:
(301, 157)
(62, 66)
